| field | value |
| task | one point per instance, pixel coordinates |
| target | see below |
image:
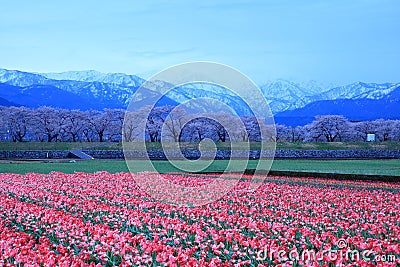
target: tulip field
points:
(103, 219)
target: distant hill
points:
(35, 96)
(387, 107)
(6, 103)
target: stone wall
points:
(254, 154)
(339, 154)
(34, 154)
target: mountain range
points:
(292, 103)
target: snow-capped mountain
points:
(100, 94)
(96, 90)
(357, 101)
(215, 94)
(20, 78)
(367, 106)
(286, 95)
(360, 90)
(96, 76)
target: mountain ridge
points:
(356, 109)
(114, 90)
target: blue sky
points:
(331, 41)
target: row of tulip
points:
(104, 219)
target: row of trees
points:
(175, 124)
(51, 125)
(334, 128)
(47, 124)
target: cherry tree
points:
(48, 123)
(329, 128)
(174, 123)
(131, 126)
(194, 130)
(384, 129)
(74, 124)
(297, 133)
(99, 123)
(289, 133)
(395, 132)
(253, 130)
(363, 128)
(117, 120)
(155, 121)
(221, 123)
(16, 122)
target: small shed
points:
(370, 137)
